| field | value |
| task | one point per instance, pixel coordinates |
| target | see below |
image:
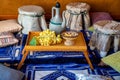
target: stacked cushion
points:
(7, 38)
(7, 28)
(10, 25)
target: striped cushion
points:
(6, 39)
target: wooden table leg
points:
(25, 53)
(88, 59)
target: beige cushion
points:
(9, 26)
(113, 60)
(7, 38)
(107, 26)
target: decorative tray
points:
(79, 44)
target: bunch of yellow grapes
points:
(48, 37)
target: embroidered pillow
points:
(10, 25)
(7, 38)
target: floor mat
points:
(66, 71)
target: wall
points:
(9, 8)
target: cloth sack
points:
(31, 17)
(106, 35)
(77, 16)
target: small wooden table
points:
(80, 45)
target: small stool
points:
(31, 17)
(77, 16)
(106, 35)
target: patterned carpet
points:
(56, 65)
(66, 66)
(69, 71)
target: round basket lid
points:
(31, 10)
(78, 7)
(108, 26)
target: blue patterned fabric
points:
(66, 71)
(12, 53)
